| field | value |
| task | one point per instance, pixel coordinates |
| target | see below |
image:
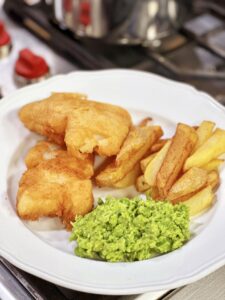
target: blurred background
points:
(180, 39)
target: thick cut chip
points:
(213, 164)
(155, 164)
(51, 190)
(158, 146)
(187, 185)
(181, 146)
(211, 149)
(153, 192)
(145, 122)
(137, 143)
(144, 162)
(130, 178)
(201, 201)
(213, 179)
(143, 187)
(204, 132)
(141, 184)
(45, 151)
(98, 126)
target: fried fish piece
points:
(43, 151)
(68, 113)
(96, 129)
(48, 117)
(53, 190)
(137, 143)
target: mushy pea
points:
(130, 229)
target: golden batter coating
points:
(95, 129)
(44, 151)
(64, 114)
(56, 184)
(51, 190)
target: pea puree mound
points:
(131, 229)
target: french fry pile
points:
(185, 167)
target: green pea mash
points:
(130, 229)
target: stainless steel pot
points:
(91, 18)
(120, 21)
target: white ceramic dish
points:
(45, 251)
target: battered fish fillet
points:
(48, 117)
(50, 190)
(43, 151)
(94, 129)
(86, 125)
(136, 145)
(55, 184)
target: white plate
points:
(47, 253)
